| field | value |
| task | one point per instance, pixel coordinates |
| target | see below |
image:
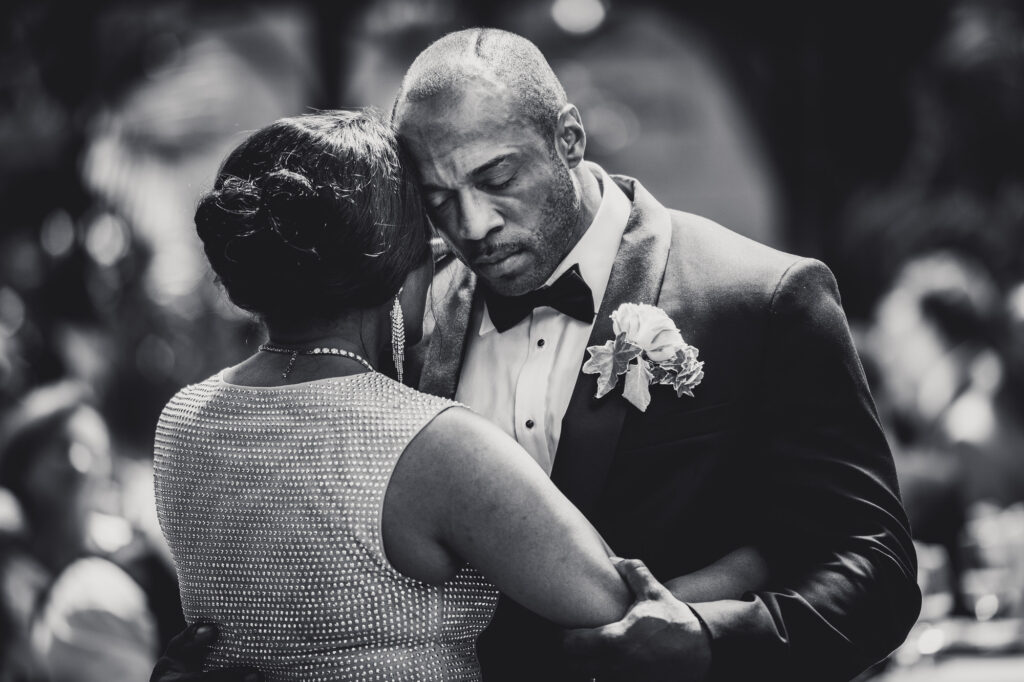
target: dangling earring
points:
(398, 336)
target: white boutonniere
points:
(648, 349)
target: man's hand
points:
(659, 638)
(183, 659)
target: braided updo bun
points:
(314, 215)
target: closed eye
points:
(491, 186)
(436, 200)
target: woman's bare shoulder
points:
(450, 468)
(478, 493)
(462, 442)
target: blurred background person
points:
(85, 597)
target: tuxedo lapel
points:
(590, 428)
(451, 304)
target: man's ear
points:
(570, 137)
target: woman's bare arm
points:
(464, 486)
(738, 572)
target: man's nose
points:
(477, 217)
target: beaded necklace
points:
(325, 350)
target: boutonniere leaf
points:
(610, 361)
(638, 386)
(683, 372)
(649, 350)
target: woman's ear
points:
(570, 137)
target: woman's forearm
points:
(742, 570)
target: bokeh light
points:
(578, 17)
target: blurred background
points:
(884, 138)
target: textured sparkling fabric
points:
(271, 501)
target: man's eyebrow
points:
(479, 170)
(490, 164)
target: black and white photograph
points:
(512, 341)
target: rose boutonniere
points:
(648, 349)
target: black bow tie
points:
(568, 294)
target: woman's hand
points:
(183, 659)
(659, 639)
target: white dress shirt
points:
(522, 379)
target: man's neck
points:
(590, 202)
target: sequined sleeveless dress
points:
(271, 501)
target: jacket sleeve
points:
(825, 506)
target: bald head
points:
(489, 58)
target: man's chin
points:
(513, 276)
(505, 287)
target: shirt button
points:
(540, 343)
(529, 423)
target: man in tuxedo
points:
(779, 448)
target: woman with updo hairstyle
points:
(330, 521)
(314, 216)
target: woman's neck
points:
(357, 333)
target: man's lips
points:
(498, 265)
(494, 259)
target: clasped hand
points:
(183, 659)
(659, 638)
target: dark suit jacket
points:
(781, 449)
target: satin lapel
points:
(591, 427)
(451, 302)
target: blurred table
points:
(961, 669)
(960, 650)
